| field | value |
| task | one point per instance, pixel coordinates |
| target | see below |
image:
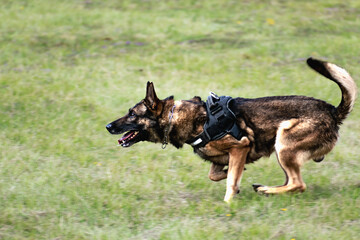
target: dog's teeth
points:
(124, 141)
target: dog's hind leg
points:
(237, 159)
(291, 155)
(290, 162)
(217, 172)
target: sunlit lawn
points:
(67, 68)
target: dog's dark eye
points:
(132, 114)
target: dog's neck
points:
(184, 120)
(167, 128)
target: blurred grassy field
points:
(67, 68)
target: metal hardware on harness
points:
(221, 121)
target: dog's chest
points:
(213, 155)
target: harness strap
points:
(221, 121)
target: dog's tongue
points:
(126, 136)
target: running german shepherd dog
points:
(297, 128)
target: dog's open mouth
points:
(128, 139)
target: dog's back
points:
(264, 116)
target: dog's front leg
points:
(237, 159)
(217, 172)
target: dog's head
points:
(141, 122)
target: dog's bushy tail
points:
(345, 82)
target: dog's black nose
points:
(109, 126)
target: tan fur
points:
(346, 80)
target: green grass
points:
(67, 68)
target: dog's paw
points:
(261, 189)
(256, 186)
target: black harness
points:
(221, 121)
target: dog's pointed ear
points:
(151, 100)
